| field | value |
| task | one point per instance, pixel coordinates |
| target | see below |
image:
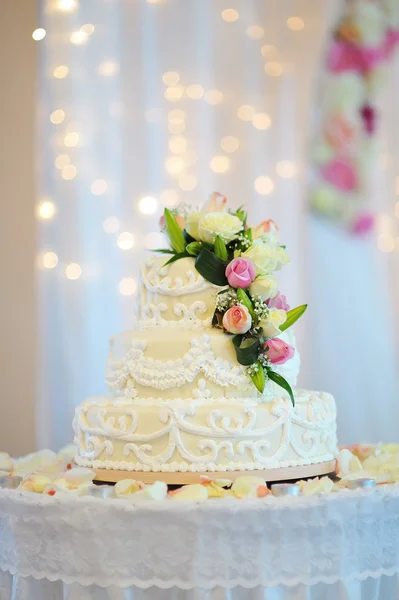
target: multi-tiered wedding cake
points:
(205, 380)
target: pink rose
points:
(341, 174)
(278, 351)
(279, 301)
(217, 203)
(237, 319)
(240, 272)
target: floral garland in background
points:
(241, 260)
(345, 149)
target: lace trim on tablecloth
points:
(222, 543)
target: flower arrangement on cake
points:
(242, 261)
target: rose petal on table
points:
(347, 463)
(322, 485)
(6, 462)
(195, 491)
(247, 486)
(125, 487)
(79, 476)
(215, 491)
(155, 492)
(67, 453)
(44, 461)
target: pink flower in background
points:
(179, 218)
(240, 272)
(265, 227)
(392, 38)
(370, 57)
(363, 224)
(369, 118)
(341, 174)
(339, 132)
(217, 203)
(343, 57)
(279, 301)
(278, 351)
(237, 319)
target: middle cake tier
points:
(154, 363)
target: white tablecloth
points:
(338, 546)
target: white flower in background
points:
(392, 9)
(344, 94)
(225, 225)
(271, 326)
(265, 286)
(322, 153)
(371, 23)
(266, 258)
(376, 77)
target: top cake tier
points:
(175, 295)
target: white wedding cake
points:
(205, 381)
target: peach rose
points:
(237, 319)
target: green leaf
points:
(283, 383)
(259, 378)
(189, 238)
(165, 251)
(244, 299)
(211, 267)
(248, 234)
(293, 316)
(176, 257)
(220, 248)
(194, 248)
(174, 232)
(247, 349)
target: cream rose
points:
(265, 257)
(271, 326)
(218, 223)
(192, 220)
(265, 286)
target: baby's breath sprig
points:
(252, 369)
(226, 300)
(264, 361)
(260, 308)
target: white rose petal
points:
(79, 476)
(151, 493)
(265, 286)
(218, 223)
(125, 487)
(347, 463)
(271, 326)
(196, 492)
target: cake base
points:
(269, 475)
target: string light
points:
(171, 78)
(229, 143)
(264, 185)
(178, 144)
(154, 240)
(50, 260)
(261, 121)
(195, 92)
(274, 69)
(69, 172)
(88, 28)
(174, 93)
(220, 164)
(295, 23)
(213, 97)
(255, 32)
(245, 112)
(46, 209)
(39, 34)
(386, 242)
(67, 5)
(148, 205)
(125, 240)
(71, 139)
(57, 116)
(99, 187)
(285, 169)
(108, 68)
(61, 72)
(111, 225)
(73, 271)
(127, 286)
(62, 160)
(230, 15)
(269, 51)
(176, 127)
(188, 182)
(174, 165)
(153, 115)
(79, 38)
(169, 198)
(176, 116)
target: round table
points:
(341, 545)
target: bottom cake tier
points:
(199, 435)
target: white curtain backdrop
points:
(147, 103)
